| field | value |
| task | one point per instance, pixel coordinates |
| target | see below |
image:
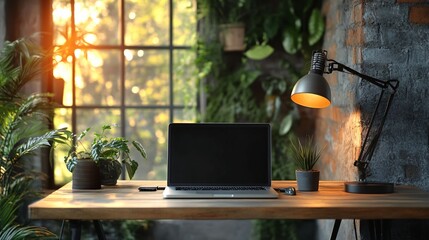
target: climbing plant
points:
(254, 85)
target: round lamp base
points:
(369, 187)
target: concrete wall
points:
(386, 39)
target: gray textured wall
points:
(384, 40)
(398, 49)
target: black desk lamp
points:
(313, 91)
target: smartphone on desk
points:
(148, 189)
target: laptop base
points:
(171, 193)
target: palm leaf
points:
(34, 143)
(17, 232)
(23, 129)
(9, 205)
(20, 61)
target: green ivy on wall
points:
(254, 85)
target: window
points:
(128, 62)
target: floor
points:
(207, 230)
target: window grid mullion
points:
(170, 67)
(122, 77)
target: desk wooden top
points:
(124, 201)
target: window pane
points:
(95, 118)
(98, 21)
(62, 118)
(149, 127)
(98, 78)
(63, 70)
(61, 16)
(147, 77)
(146, 22)
(184, 75)
(184, 22)
(187, 115)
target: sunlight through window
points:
(122, 68)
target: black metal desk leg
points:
(385, 229)
(99, 230)
(76, 229)
(62, 229)
(335, 229)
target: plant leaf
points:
(286, 124)
(271, 25)
(316, 27)
(292, 40)
(259, 52)
(131, 167)
(140, 148)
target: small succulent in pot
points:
(306, 156)
(105, 152)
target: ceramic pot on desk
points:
(110, 170)
(86, 175)
(307, 180)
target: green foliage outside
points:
(241, 88)
(146, 87)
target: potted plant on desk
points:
(99, 163)
(306, 156)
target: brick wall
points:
(386, 39)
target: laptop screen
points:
(219, 154)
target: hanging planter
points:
(232, 36)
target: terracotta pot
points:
(86, 175)
(307, 180)
(110, 171)
(232, 36)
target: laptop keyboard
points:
(219, 188)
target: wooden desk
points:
(124, 201)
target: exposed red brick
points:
(357, 13)
(419, 14)
(356, 55)
(355, 36)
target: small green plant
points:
(305, 154)
(103, 147)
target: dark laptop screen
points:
(219, 155)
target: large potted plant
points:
(24, 129)
(306, 156)
(101, 158)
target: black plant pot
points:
(86, 175)
(110, 170)
(307, 180)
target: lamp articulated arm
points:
(367, 149)
(313, 91)
(334, 65)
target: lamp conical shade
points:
(312, 91)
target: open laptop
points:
(219, 160)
